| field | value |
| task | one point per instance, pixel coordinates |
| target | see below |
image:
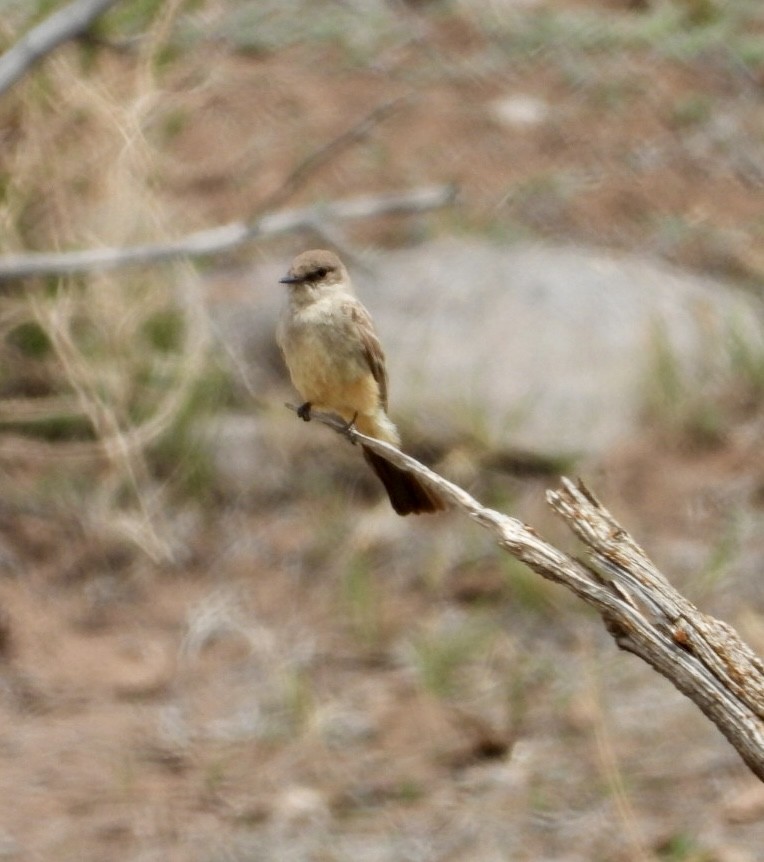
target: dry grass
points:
(98, 370)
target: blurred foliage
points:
(698, 408)
(443, 654)
(113, 367)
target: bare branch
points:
(702, 656)
(60, 27)
(225, 237)
(318, 158)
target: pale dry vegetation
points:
(99, 371)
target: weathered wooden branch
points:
(64, 24)
(702, 656)
(225, 237)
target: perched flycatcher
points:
(337, 364)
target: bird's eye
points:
(321, 272)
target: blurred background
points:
(217, 641)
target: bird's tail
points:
(407, 494)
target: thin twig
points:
(703, 657)
(318, 158)
(60, 27)
(223, 238)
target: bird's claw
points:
(350, 429)
(303, 411)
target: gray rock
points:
(541, 347)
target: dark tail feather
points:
(407, 494)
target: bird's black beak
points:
(289, 279)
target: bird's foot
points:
(303, 411)
(350, 429)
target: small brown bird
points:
(337, 364)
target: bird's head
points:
(316, 270)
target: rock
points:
(542, 347)
(300, 806)
(520, 110)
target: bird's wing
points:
(371, 346)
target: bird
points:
(337, 364)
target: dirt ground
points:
(314, 679)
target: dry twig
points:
(318, 158)
(702, 656)
(223, 238)
(63, 25)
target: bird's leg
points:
(350, 428)
(303, 411)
